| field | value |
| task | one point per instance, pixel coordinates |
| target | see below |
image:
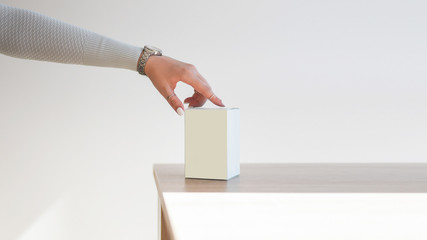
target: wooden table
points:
(293, 178)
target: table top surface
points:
(373, 201)
(305, 177)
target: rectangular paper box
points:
(212, 143)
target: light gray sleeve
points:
(30, 35)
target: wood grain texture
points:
(323, 177)
(165, 231)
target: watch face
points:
(155, 49)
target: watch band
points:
(147, 52)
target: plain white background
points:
(316, 81)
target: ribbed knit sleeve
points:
(30, 35)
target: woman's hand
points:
(165, 72)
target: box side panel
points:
(233, 143)
(206, 144)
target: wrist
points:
(150, 65)
(146, 53)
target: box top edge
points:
(223, 109)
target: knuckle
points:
(191, 67)
(188, 70)
(208, 89)
(174, 101)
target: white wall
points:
(316, 81)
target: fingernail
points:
(180, 111)
(222, 103)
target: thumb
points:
(176, 104)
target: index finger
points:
(204, 89)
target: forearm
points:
(30, 35)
